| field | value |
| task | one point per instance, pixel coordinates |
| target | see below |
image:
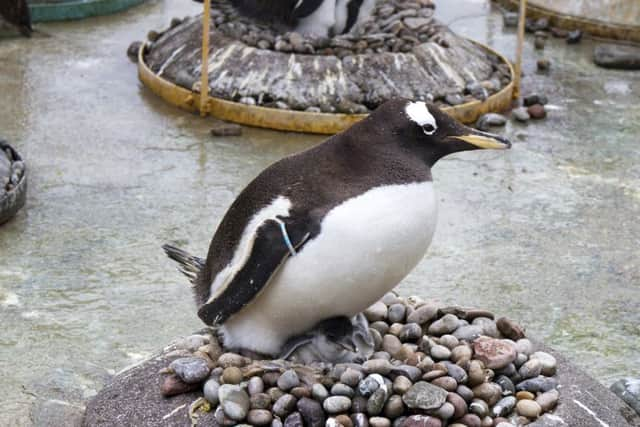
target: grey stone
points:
(210, 390)
(351, 377)
(255, 385)
(504, 406)
(510, 19)
(311, 412)
(284, 405)
(485, 122)
(440, 352)
(410, 332)
(294, 420)
(548, 362)
(288, 380)
(396, 313)
(319, 392)
(422, 314)
(468, 333)
(548, 400)
(537, 384)
(411, 372)
(234, 401)
(336, 404)
(369, 385)
(376, 401)
(454, 99)
(340, 389)
(423, 395)
(530, 369)
(191, 370)
(377, 311)
(521, 114)
(379, 422)
(377, 366)
(456, 372)
(506, 384)
(445, 411)
(617, 56)
(628, 389)
(259, 417)
(445, 325)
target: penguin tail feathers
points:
(188, 264)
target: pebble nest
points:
(13, 184)
(401, 51)
(11, 169)
(433, 366)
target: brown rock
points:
(489, 392)
(446, 382)
(172, 385)
(226, 129)
(459, 405)
(471, 420)
(537, 111)
(510, 329)
(494, 353)
(232, 375)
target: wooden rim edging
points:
(77, 9)
(15, 199)
(302, 121)
(572, 22)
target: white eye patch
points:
(419, 113)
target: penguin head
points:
(425, 130)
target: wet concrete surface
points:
(546, 233)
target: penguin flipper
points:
(271, 248)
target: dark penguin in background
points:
(16, 13)
(315, 17)
(327, 232)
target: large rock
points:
(617, 56)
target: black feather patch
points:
(268, 254)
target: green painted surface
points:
(65, 11)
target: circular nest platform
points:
(616, 19)
(13, 182)
(261, 77)
(52, 10)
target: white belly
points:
(366, 246)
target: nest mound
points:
(433, 366)
(13, 182)
(402, 51)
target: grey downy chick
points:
(334, 340)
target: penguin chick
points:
(335, 340)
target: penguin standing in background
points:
(311, 17)
(16, 14)
(327, 232)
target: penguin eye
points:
(429, 129)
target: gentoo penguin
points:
(311, 17)
(328, 231)
(16, 14)
(335, 340)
